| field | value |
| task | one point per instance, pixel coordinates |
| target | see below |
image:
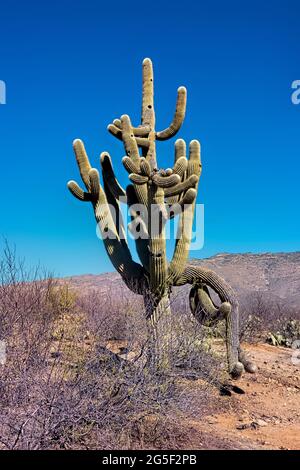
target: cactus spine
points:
(163, 194)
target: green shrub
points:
(290, 333)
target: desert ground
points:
(266, 416)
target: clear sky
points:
(70, 67)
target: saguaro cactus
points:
(159, 195)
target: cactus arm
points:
(116, 132)
(141, 131)
(130, 165)
(148, 114)
(117, 251)
(185, 225)
(109, 177)
(182, 207)
(82, 161)
(76, 190)
(165, 181)
(145, 167)
(180, 149)
(138, 179)
(180, 164)
(142, 142)
(129, 141)
(180, 188)
(138, 220)
(117, 248)
(117, 214)
(132, 151)
(150, 155)
(178, 116)
(203, 308)
(157, 241)
(196, 276)
(194, 162)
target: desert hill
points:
(274, 274)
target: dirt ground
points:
(266, 416)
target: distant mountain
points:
(275, 274)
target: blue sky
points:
(70, 67)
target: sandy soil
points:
(266, 416)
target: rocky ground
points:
(266, 416)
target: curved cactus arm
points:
(181, 208)
(178, 116)
(115, 246)
(203, 308)
(116, 132)
(181, 188)
(197, 276)
(78, 192)
(138, 179)
(166, 181)
(141, 131)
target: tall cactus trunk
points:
(159, 317)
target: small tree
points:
(154, 197)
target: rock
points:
(260, 422)
(252, 425)
(243, 426)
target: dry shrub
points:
(76, 373)
(261, 314)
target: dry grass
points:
(76, 373)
